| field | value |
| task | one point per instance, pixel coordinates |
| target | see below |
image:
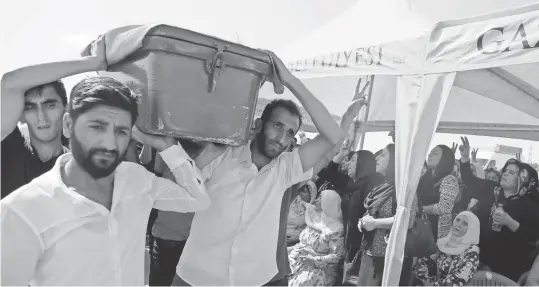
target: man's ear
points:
(258, 125)
(67, 125)
(21, 119)
(255, 129)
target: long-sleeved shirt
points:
(516, 244)
(52, 235)
(449, 190)
(448, 270)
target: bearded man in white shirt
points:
(234, 241)
(84, 221)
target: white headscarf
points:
(452, 245)
(330, 220)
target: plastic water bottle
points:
(497, 227)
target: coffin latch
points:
(215, 66)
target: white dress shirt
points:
(52, 235)
(234, 241)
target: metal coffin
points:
(194, 86)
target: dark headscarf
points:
(529, 184)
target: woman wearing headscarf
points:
(509, 219)
(296, 216)
(314, 260)
(438, 190)
(377, 222)
(458, 255)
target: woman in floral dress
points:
(458, 256)
(314, 260)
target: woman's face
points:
(305, 193)
(460, 226)
(352, 165)
(382, 161)
(318, 204)
(434, 158)
(492, 176)
(524, 176)
(510, 176)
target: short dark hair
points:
(58, 87)
(97, 91)
(290, 106)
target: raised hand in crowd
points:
(454, 147)
(360, 93)
(464, 150)
(474, 154)
(343, 151)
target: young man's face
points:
(277, 133)
(43, 113)
(99, 139)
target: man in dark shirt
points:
(36, 96)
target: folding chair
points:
(487, 278)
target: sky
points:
(36, 31)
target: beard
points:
(94, 167)
(262, 145)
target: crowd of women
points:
(480, 219)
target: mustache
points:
(94, 151)
(277, 144)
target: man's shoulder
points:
(15, 144)
(39, 192)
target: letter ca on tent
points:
(505, 39)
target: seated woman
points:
(314, 260)
(458, 255)
(296, 216)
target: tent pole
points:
(366, 117)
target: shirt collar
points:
(242, 153)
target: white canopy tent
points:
(465, 66)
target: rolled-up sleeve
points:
(189, 193)
(21, 249)
(292, 169)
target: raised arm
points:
(330, 133)
(188, 193)
(15, 83)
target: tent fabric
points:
(420, 98)
(436, 77)
(434, 88)
(466, 111)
